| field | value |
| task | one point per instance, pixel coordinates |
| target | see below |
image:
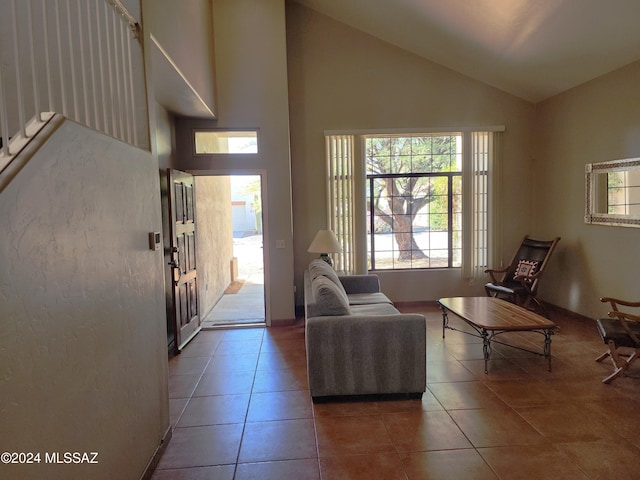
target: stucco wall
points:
(343, 79)
(83, 356)
(595, 122)
(214, 239)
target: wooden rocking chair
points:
(518, 282)
(620, 330)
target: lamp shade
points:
(324, 242)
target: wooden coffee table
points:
(490, 317)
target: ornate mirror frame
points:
(592, 214)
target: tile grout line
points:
(173, 427)
(246, 415)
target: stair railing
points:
(80, 58)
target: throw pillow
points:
(329, 299)
(525, 268)
(319, 267)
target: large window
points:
(414, 201)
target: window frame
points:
(449, 176)
(480, 241)
(237, 131)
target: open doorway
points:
(243, 300)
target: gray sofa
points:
(357, 342)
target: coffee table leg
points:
(486, 348)
(547, 346)
(445, 319)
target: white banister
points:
(80, 58)
(32, 57)
(92, 68)
(4, 124)
(132, 107)
(118, 116)
(72, 62)
(47, 56)
(109, 64)
(63, 94)
(102, 76)
(18, 67)
(83, 67)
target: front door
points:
(182, 244)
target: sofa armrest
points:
(366, 354)
(360, 283)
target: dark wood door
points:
(182, 244)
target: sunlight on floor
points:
(247, 305)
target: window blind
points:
(340, 193)
(480, 192)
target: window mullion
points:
(450, 220)
(371, 224)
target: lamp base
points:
(326, 258)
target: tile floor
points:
(241, 410)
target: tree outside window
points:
(414, 201)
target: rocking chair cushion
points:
(506, 288)
(612, 329)
(499, 288)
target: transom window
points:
(414, 201)
(209, 142)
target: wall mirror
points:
(612, 193)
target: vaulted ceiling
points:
(533, 49)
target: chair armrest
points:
(616, 301)
(360, 283)
(625, 315)
(492, 273)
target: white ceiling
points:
(533, 49)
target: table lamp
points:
(324, 243)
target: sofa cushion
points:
(374, 309)
(329, 299)
(367, 298)
(319, 267)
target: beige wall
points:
(184, 30)
(214, 239)
(215, 242)
(83, 359)
(252, 89)
(164, 135)
(595, 122)
(343, 79)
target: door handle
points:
(175, 265)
